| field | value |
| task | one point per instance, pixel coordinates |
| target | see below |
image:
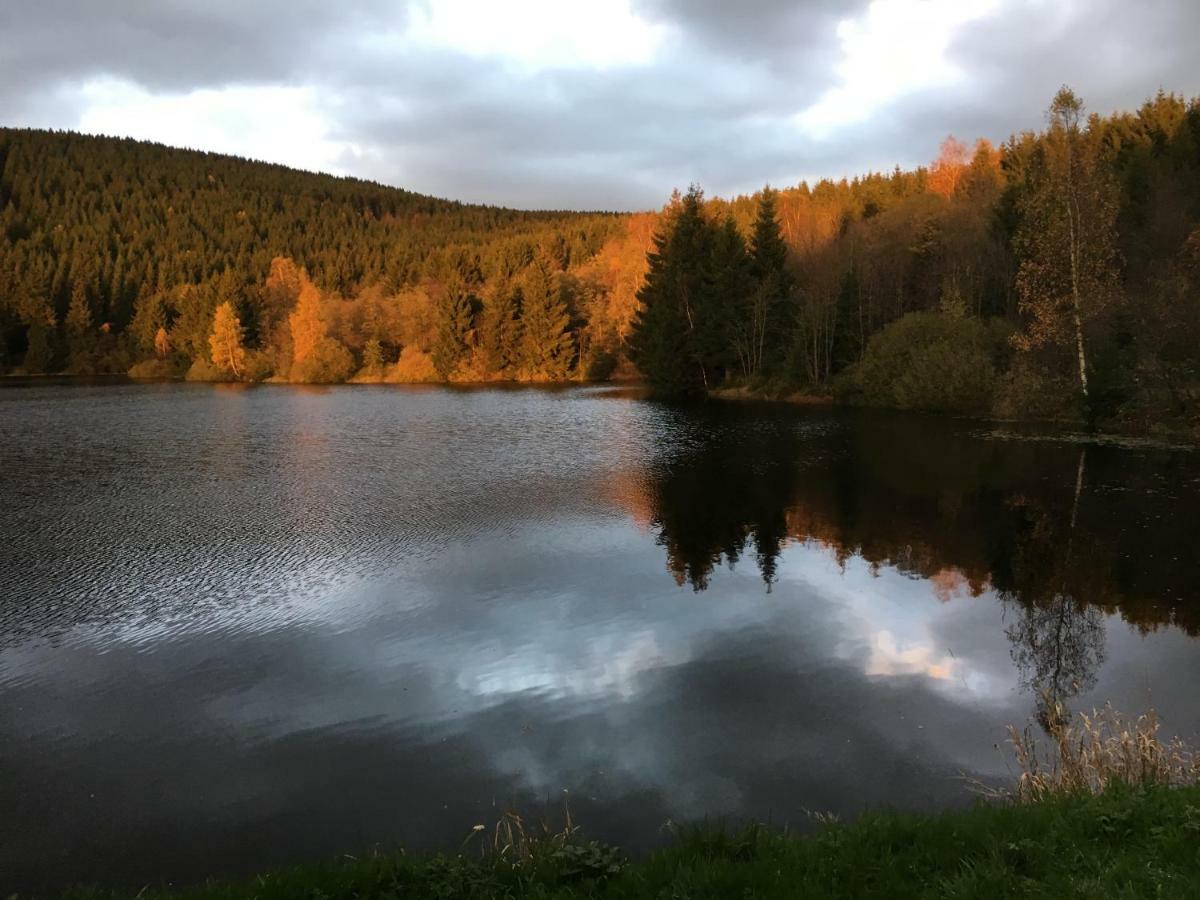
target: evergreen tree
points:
(500, 328)
(149, 318)
(39, 351)
(768, 320)
(721, 340)
(453, 327)
(547, 346)
(662, 343)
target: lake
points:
(250, 626)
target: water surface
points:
(242, 627)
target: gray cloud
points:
(715, 104)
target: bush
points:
(1029, 391)
(601, 366)
(931, 361)
(155, 369)
(414, 366)
(259, 365)
(203, 370)
(329, 363)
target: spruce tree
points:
(499, 328)
(452, 334)
(716, 342)
(769, 321)
(663, 344)
(547, 345)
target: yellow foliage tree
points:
(226, 340)
(308, 323)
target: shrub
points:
(328, 363)
(601, 366)
(413, 366)
(1030, 391)
(155, 368)
(203, 370)
(931, 361)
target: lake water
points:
(242, 627)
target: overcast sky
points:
(591, 103)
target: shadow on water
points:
(1062, 534)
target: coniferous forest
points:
(1054, 276)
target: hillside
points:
(118, 220)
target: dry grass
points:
(1091, 752)
(513, 840)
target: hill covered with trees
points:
(106, 242)
(1054, 276)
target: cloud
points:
(608, 104)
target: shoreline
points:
(1065, 845)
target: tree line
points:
(1055, 276)
(118, 253)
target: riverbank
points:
(1127, 842)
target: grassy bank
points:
(1124, 842)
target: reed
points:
(1088, 753)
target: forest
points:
(1054, 276)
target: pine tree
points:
(500, 328)
(453, 328)
(662, 342)
(547, 346)
(149, 318)
(226, 340)
(39, 351)
(718, 343)
(768, 322)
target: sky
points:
(591, 104)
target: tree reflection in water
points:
(1063, 536)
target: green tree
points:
(661, 343)
(1066, 241)
(723, 339)
(767, 313)
(81, 339)
(547, 347)
(453, 328)
(500, 327)
(39, 351)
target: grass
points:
(1108, 809)
(1090, 752)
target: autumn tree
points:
(1067, 238)
(546, 348)
(373, 361)
(948, 168)
(307, 322)
(226, 341)
(317, 358)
